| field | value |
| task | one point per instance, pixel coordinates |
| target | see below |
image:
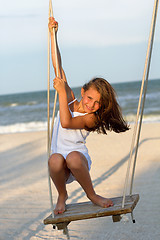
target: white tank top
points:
(66, 140)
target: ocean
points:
(25, 112)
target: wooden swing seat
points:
(87, 210)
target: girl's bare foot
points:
(60, 206)
(101, 201)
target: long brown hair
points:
(109, 115)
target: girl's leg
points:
(78, 165)
(59, 174)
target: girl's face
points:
(90, 100)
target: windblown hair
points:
(108, 116)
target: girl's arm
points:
(53, 24)
(67, 121)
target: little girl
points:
(97, 110)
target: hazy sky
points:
(97, 38)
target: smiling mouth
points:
(90, 109)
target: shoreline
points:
(43, 129)
(24, 201)
(42, 126)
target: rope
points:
(57, 73)
(146, 69)
(65, 230)
(48, 116)
(146, 84)
(48, 102)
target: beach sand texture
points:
(24, 197)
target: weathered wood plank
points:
(86, 210)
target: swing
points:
(87, 210)
(122, 205)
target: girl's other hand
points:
(59, 84)
(52, 24)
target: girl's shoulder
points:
(72, 101)
(73, 105)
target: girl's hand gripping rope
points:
(52, 24)
(59, 84)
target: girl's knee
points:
(75, 160)
(56, 162)
(52, 160)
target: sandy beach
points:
(24, 197)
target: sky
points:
(96, 38)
